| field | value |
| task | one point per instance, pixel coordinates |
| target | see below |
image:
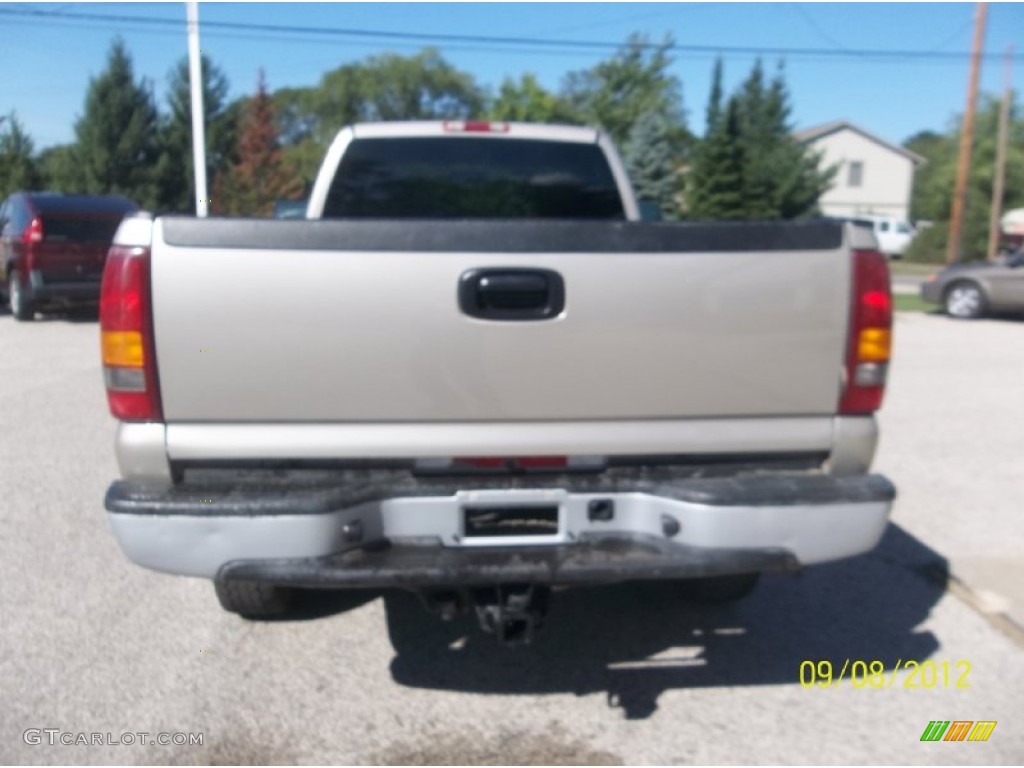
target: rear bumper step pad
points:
(593, 560)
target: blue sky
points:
(46, 64)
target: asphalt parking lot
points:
(624, 675)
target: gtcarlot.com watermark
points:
(55, 736)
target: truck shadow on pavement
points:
(636, 641)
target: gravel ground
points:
(90, 643)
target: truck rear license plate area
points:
(508, 521)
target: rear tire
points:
(964, 300)
(19, 303)
(716, 590)
(253, 599)
(415, 632)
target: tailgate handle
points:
(511, 293)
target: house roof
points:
(820, 131)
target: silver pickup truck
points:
(473, 375)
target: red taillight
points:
(126, 336)
(33, 232)
(543, 462)
(869, 344)
(479, 462)
(474, 126)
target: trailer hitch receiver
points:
(513, 613)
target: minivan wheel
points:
(965, 301)
(21, 307)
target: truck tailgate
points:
(334, 321)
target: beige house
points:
(875, 177)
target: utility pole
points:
(195, 75)
(997, 186)
(963, 168)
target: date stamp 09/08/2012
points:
(873, 674)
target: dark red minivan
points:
(53, 247)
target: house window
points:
(855, 175)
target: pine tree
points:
(174, 170)
(116, 148)
(767, 174)
(723, 162)
(18, 168)
(648, 159)
(760, 144)
(700, 180)
(60, 169)
(260, 177)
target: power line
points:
(798, 7)
(947, 40)
(621, 20)
(825, 53)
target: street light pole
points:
(195, 73)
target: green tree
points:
(934, 182)
(387, 87)
(635, 81)
(527, 101)
(391, 87)
(783, 178)
(710, 160)
(175, 172)
(648, 159)
(261, 175)
(295, 113)
(934, 179)
(117, 142)
(715, 183)
(748, 165)
(60, 169)
(18, 168)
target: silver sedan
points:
(973, 290)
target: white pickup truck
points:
(473, 375)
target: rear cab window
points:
(449, 177)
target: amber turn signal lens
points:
(875, 345)
(123, 348)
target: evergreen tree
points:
(116, 148)
(701, 179)
(60, 169)
(760, 146)
(777, 177)
(260, 176)
(648, 159)
(18, 168)
(718, 184)
(175, 168)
